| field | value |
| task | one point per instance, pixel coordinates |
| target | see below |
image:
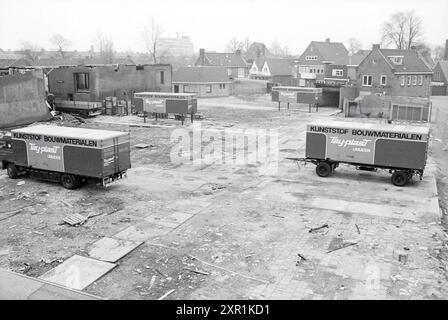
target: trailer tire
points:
(12, 171)
(399, 178)
(323, 169)
(69, 181)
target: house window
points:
(396, 59)
(409, 80)
(403, 80)
(420, 81)
(209, 89)
(367, 81)
(337, 72)
(383, 80)
(82, 81)
(162, 77)
(222, 86)
(414, 83)
(229, 72)
(185, 88)
(311, 58)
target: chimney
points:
(375, 47)
(446, 50)
(238, 52)
(202, 57)
(327, 40)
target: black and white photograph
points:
(220, 150)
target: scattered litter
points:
(138, 271)
(301, 258)
(125, 220)
(37, 232)
(197, 271)
(3, 187)
(75, 219)
(166, 294)
(345, 245)
(233, 272)
(274, 215)
(318, 228)
(143, 146)
(151, 284)
(160, 272)
(403, 257)
(13, 213)
(66, 203)
(357, 228)
(21, 183)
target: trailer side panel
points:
(400, 154)
(315, 145)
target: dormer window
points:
(396, 59)
(311, 58)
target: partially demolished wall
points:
(22, 99)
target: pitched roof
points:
(444, 67)
(412, 62)
(201, 74)
(14, 63)
(356, 59)
(279, 67)
(332, 51)
(225, 59)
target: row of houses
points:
(324, 63)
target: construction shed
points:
(95, 83)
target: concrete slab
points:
(51, 292)
(111, 250)
(142, 232)
(78, 272)
(162, 221)
(16, 287)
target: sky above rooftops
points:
(211, 23)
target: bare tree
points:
(30, 50)
(234, 45)
(438, 53)
(246, 44)
(151, 37)
(105, 46)
(403, 30)
(276, 48)
(61, 43)
(354, 45)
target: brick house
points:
(439, 82)
(204, 81)
(235, 65)
(276, 71)
(320, 54)
(393, 72)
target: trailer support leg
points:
(279, 106)
(288, 105)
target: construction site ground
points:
(234, 230)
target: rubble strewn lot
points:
(231, 231)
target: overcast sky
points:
(211, 23)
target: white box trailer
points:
(401, 149)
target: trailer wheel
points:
(399, 178)
(323, 169)
(69, 181)
(12, 171)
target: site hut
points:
(90, 83)
(203, 81)
(296, 95)
(163, 104)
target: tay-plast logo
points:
(349, 142)
(44, 149)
